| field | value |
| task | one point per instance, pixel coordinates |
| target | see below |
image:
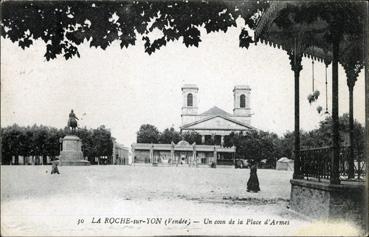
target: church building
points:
(215, 124)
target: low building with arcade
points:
(183, 153)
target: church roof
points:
(216, 111)
(188, 125)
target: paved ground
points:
(33, 202)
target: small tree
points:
(10, 143)
(192, 137)
(169, 135)
(26, 142)
(256, 145)
(52, 142)
(88, 147)
(148, 134)
(102, 141)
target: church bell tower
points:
(241, 108)
(189, 105)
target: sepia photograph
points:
(184, 117)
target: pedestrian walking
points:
(253, 183)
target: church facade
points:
(215, 124)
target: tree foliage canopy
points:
(347, 17)
(192, 137)
(170, 135)
(39, 140)
(148, 134)
(65, 25)
(259, 145)
(322, 136)
(256, 145)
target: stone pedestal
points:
(72, 155)
(322, 200)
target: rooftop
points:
(244, 87)
(190, 86)
(216, 111)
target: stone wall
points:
(348, 204)
(321, 200)
(309, 201)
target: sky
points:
(123, 89)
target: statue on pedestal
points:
(72, 121)
(71, 152)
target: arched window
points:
(242, 101)
(189, 99)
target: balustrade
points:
(316, 163)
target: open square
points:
(31, 196)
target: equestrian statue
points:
(72, 121)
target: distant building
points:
(182, 153)
(215, 123)
(120, 155)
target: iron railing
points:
(316, 163)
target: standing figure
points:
(253, 183)
(72, 121)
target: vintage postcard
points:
(184, 117)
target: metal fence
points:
(316, 163)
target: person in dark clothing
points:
(54, 167)
(253, 183)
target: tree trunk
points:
(7, 159)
